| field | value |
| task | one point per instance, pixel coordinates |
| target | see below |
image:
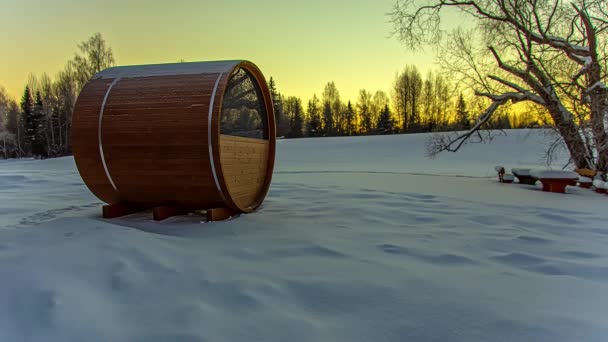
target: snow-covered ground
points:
(360, 239)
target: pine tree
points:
(462, 116)
(29, 119)
(39, 143)
(328, 119)
(293, 108)
(282, 121)
(313, 125)
(385, 122)
(350, 119)
(379, 102)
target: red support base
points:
(555, 185)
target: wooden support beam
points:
(164, 212)
(220, 214)
(119, 209)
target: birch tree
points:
(94, 55)
(548, 52)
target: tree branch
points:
(442, 142)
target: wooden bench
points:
(524, 176)
(586, 172)
(555, 181)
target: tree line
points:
(416, 104)
(39, 125)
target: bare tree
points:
(10, 126)
(441, 102)
(407, 92)
(4, 112)
(48, 101)
(427, 103)
(94, 56)
(364, 109)
(548, 52)
(4, 104)
(332, 109)
(401, 99)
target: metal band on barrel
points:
(103, 158)
(209, 131)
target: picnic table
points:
(555, 181)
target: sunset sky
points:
(302, 44)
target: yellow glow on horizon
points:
(301, 45)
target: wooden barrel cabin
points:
(176, 138)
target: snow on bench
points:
(523, 172)
(555, 181)
(600, 186)
(550, 174)
(585, 182)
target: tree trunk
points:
(601, 143)
(19, 139)
(47, 137)
(60, 134)
(52, 129)
(572, 138)
(600, 137)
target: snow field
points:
(359, 239)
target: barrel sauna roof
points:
(174, 69)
